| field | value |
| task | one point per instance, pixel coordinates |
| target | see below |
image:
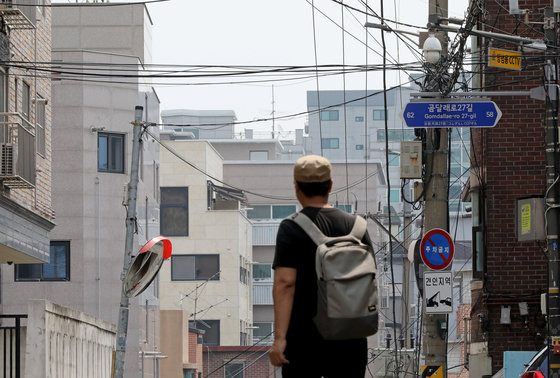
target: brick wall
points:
(512, 165)
(254, 358)
(195, 350)
(28, 46)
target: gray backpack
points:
(347, 290)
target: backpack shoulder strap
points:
(359, 229)
(309, 227)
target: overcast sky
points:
(275, 32)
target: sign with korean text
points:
(510, 60)
(525, 219)
(437, 249)
(438, 292)
(432, 371)
(451, 113)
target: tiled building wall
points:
(26, 47)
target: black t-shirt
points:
(294, 249)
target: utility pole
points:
(406, 275)
(552, 199)
(131, 191)
(436, 216)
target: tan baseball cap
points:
(312, 168)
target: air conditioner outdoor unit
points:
(7, 155)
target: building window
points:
(262, 334)
(211, 330)
(262, 272)
(394, 160)
(329, 115)
(396, 135)
(359, 119)
(234, 369)
(379, 115)
(41, 122)
(478, 234)
(270, 211)
(25, 101)
(258, 155)
(395, 195)
(243, 271)
(359, 147)
(174, 208)
(58, 268)
(329, 143)
(3, 101)
(110, 152)
(195, 267)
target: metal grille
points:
(7, 156)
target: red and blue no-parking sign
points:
(437, 249)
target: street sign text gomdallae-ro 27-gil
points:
(451, 113)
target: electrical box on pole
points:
(411, 159)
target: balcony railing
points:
(265, 233)
(262, 293)
(20, 14)
(17, 151)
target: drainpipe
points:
(98, 242)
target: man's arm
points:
(283, 296)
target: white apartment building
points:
(208, 275)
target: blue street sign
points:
(437, 249)
(447, 113)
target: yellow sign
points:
(504, 59)
(525, 218)
(432, 371)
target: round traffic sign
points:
(437, 249)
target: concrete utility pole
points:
(122, 327)
(552, 201)
(436, 214)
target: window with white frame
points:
(110, 152)
(41, 122)
(270, 211)
(25, 100)
(3, 102)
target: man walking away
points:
(298, 347)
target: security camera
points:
(481, 316)
(10, 262)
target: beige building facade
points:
(208, 275)
(26, 212)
